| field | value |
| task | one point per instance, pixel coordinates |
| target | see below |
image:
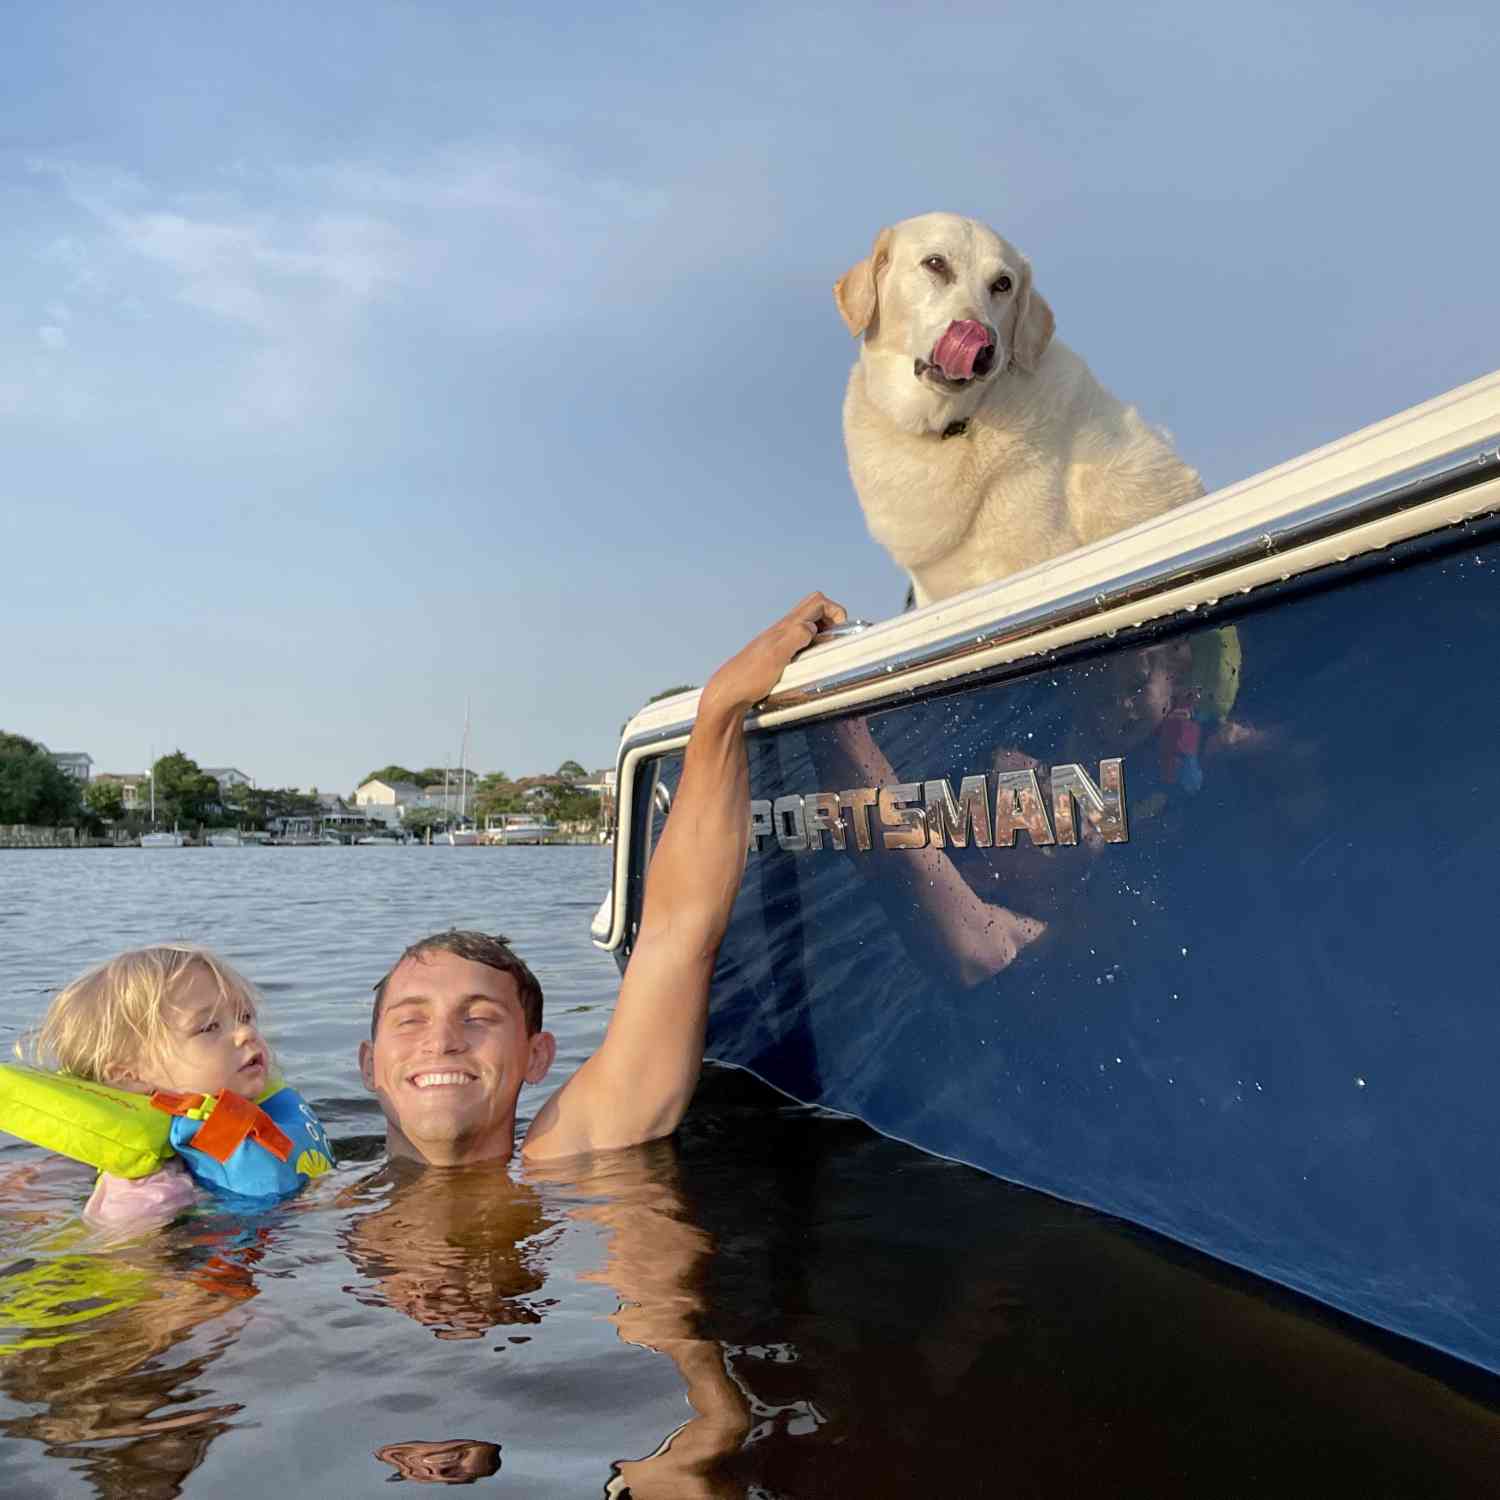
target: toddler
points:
(177, 1019)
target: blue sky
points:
(356, 359)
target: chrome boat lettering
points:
(790, 824)
(949, 821)
(1103, 805)
(820, 811)
(919, 814)
(1019, 809)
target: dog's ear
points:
(1034, 326)
(856, 291)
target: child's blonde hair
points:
(111, 1017)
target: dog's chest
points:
(922, 495)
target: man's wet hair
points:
(480, 948)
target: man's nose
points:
(447, 1036)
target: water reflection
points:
(655, 1261)
(457, 1461)
(465, 1250)
(459, 1250)
(110, 1342)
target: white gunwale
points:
(1432, 466)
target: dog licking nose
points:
(964, 351)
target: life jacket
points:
(265, 1149)
(262, 1149)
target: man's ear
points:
(857, 291)
(539, 1059)
(1034, 326)
(367, 1064)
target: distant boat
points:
(226, 838)
(378, 838)
(157, 839)
(466, 833)
(518, 828)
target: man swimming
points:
(456, 1027)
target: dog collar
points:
(956, 429)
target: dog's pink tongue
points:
(954, 354)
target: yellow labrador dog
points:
(978, 443)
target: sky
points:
(359, 361)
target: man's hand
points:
(636, 1086)
(750, 674)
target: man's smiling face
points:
(449, 1057)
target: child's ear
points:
(121, 1076)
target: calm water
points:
(778, 1304)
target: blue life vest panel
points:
(252, 1171)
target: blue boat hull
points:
(1264, 1022)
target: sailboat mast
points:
(463, 769)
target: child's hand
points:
(118, 1201)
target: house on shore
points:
(78, 764)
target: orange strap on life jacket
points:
(233, 1120)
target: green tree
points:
(566, 804)
(183, 792)
(435, 776)
(571, 771)
(105, 800)
(392, 773)
(419, 819)
(497, 793)
(32, 789)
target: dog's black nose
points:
(984, 360)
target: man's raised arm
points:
(637, 1085)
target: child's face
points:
(211, 1043)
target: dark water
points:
(776, 1304)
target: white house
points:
(377, 793)
(227, 776)
(77, 763)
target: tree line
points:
(34, 791)
(557, 796)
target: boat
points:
(1156, 878)
(225, 838)
(378, 838)
(465, 833)
(159, 838)
(518, 828)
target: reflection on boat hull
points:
(1259, 1021)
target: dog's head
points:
(945, 307)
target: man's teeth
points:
(432, 1080)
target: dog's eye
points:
(937, 264)
(1000, 284)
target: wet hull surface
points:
(1264, 1023)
